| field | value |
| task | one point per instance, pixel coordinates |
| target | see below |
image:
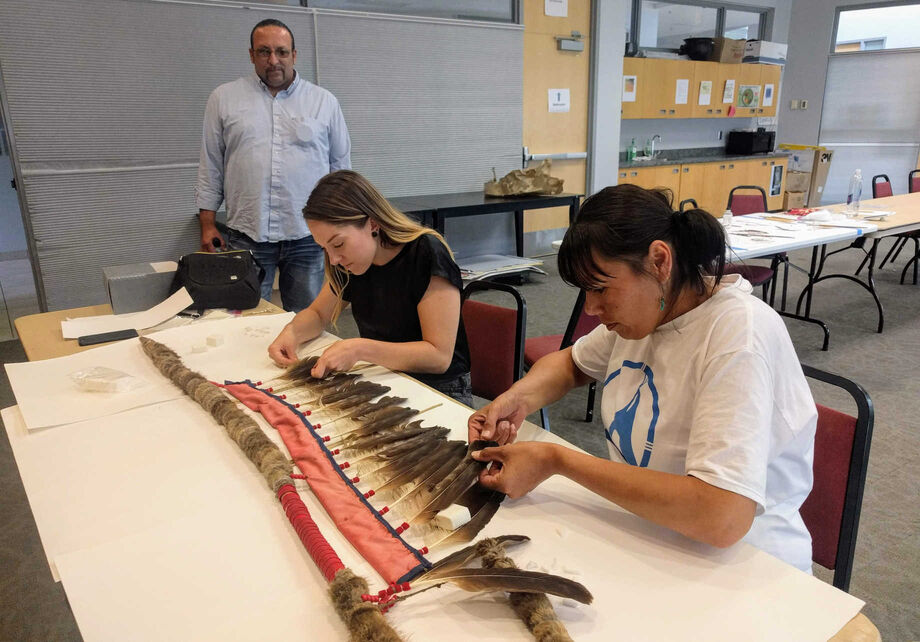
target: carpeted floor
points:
(887, 567)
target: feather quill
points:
(452, 486)
(467, 554)
(470, 530)
(512, 580)
(300, 371)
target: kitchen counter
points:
(698, 155)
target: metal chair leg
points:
(544, 419)
(896, 246)
(589, 413)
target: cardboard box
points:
(764, 51)
(798, 181)
(727, 50)
(793, 199)
(137, 287)
(815, 160)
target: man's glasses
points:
(265, 53)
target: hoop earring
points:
(374, 233)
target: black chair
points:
(496, 338)
(831, 511)
(740, 203)
(688, 201)
(881, 188)
(578, 326)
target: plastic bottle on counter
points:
(631, 151)
(727, 218)
(854, 194)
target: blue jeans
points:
(300, 263)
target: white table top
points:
(761, 235)
(756, 235)
(161, 529)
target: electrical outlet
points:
(803, 104)
(794, 104)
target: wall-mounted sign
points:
(558, 100)
(556, 8)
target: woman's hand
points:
(283, 350)
(518, 468)
(498, 421)
(339, 357)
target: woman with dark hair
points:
(709, 421)
(401, 281)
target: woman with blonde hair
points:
(401, 281)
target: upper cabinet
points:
(661, 88)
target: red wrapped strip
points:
(319, 549)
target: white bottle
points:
(727, 218)
(854, 194)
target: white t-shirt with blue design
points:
(717, 393)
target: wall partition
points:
(104, 99)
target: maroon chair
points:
(900, 240)
(745, 203)
(578, 326)
(881, 188)
(831, 511)
(496, 338)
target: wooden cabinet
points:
(748, 75)
(713, 72)
(663, 176)
(691, 184)
(642, 88)
(664, 76)
(656, 88)
(710, 183)
(769, 75)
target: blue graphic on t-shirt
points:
(624, 419)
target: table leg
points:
(519, 231)
(812, 271)
(868, 285)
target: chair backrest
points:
(913, 181)
(579, 324)
(831, 511)
(882, 187)
(741, 204)
(688, 201)
(496, 338)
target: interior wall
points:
(811, 28)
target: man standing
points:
(268, 138)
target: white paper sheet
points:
(244, 353)
(629, 89)
(728, 95)
(73, 328)
(556, 8)
(705, 92)
(681, 91)
(768, 95)
(161, 529)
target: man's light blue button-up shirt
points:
(263, 154)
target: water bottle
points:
(631, 151)
(854, 195)
(727, 218)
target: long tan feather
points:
(481, 517)
(465, 555)
(510, 579)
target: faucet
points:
(651, 152)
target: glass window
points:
(742, 24)
(457, 9)
(879, 28)
(666, 24)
